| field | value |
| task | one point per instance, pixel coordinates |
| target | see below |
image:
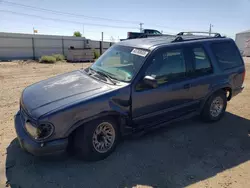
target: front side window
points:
(121, 62)
(167, 66)
(227, 55)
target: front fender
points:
(117, 105)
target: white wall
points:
(28, 46)
(240, 40)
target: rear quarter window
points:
(227, 54)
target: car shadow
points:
(176, 156)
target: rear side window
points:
(202, 63)
(227, 55)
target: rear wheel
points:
(97, 139)
(215, 107)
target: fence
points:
(28, 46)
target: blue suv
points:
(136, 85)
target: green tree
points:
(77, 34)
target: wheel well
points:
(228, 91)
(118, 119)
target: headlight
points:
(31, 129)
(41, 132)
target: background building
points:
(243, 42)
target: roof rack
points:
(200, 32)
(179, 37)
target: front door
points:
(172, 97)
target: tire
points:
(209, 113)
(86, 136)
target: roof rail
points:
(200, 32)
(178, 39)
(179, 36)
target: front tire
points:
(215, 107)
(96, 140)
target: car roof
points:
(153, 42)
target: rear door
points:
(202, 73)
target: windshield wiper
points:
(104, 74)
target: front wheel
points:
(215, 107)
(97, 139)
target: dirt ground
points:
(186, 154)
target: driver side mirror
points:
(150, 81)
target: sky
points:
(116, 17)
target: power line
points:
(65, 13)
(56, 27)
(60, 20)
(166, 27)
(80, 15)
(88, 33)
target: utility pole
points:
(141, 27)
(101, 46)
(34, 30)
(112, 39)
(210, 29)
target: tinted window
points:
(152, 32)
(227, 54)
(167, 65)
(201, 62)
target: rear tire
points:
(97, 139)
(215, 107)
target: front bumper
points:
(38, 148)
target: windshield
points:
(121, 62)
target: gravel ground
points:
(185, 154)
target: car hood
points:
(47, 95)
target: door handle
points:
(187, 86)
